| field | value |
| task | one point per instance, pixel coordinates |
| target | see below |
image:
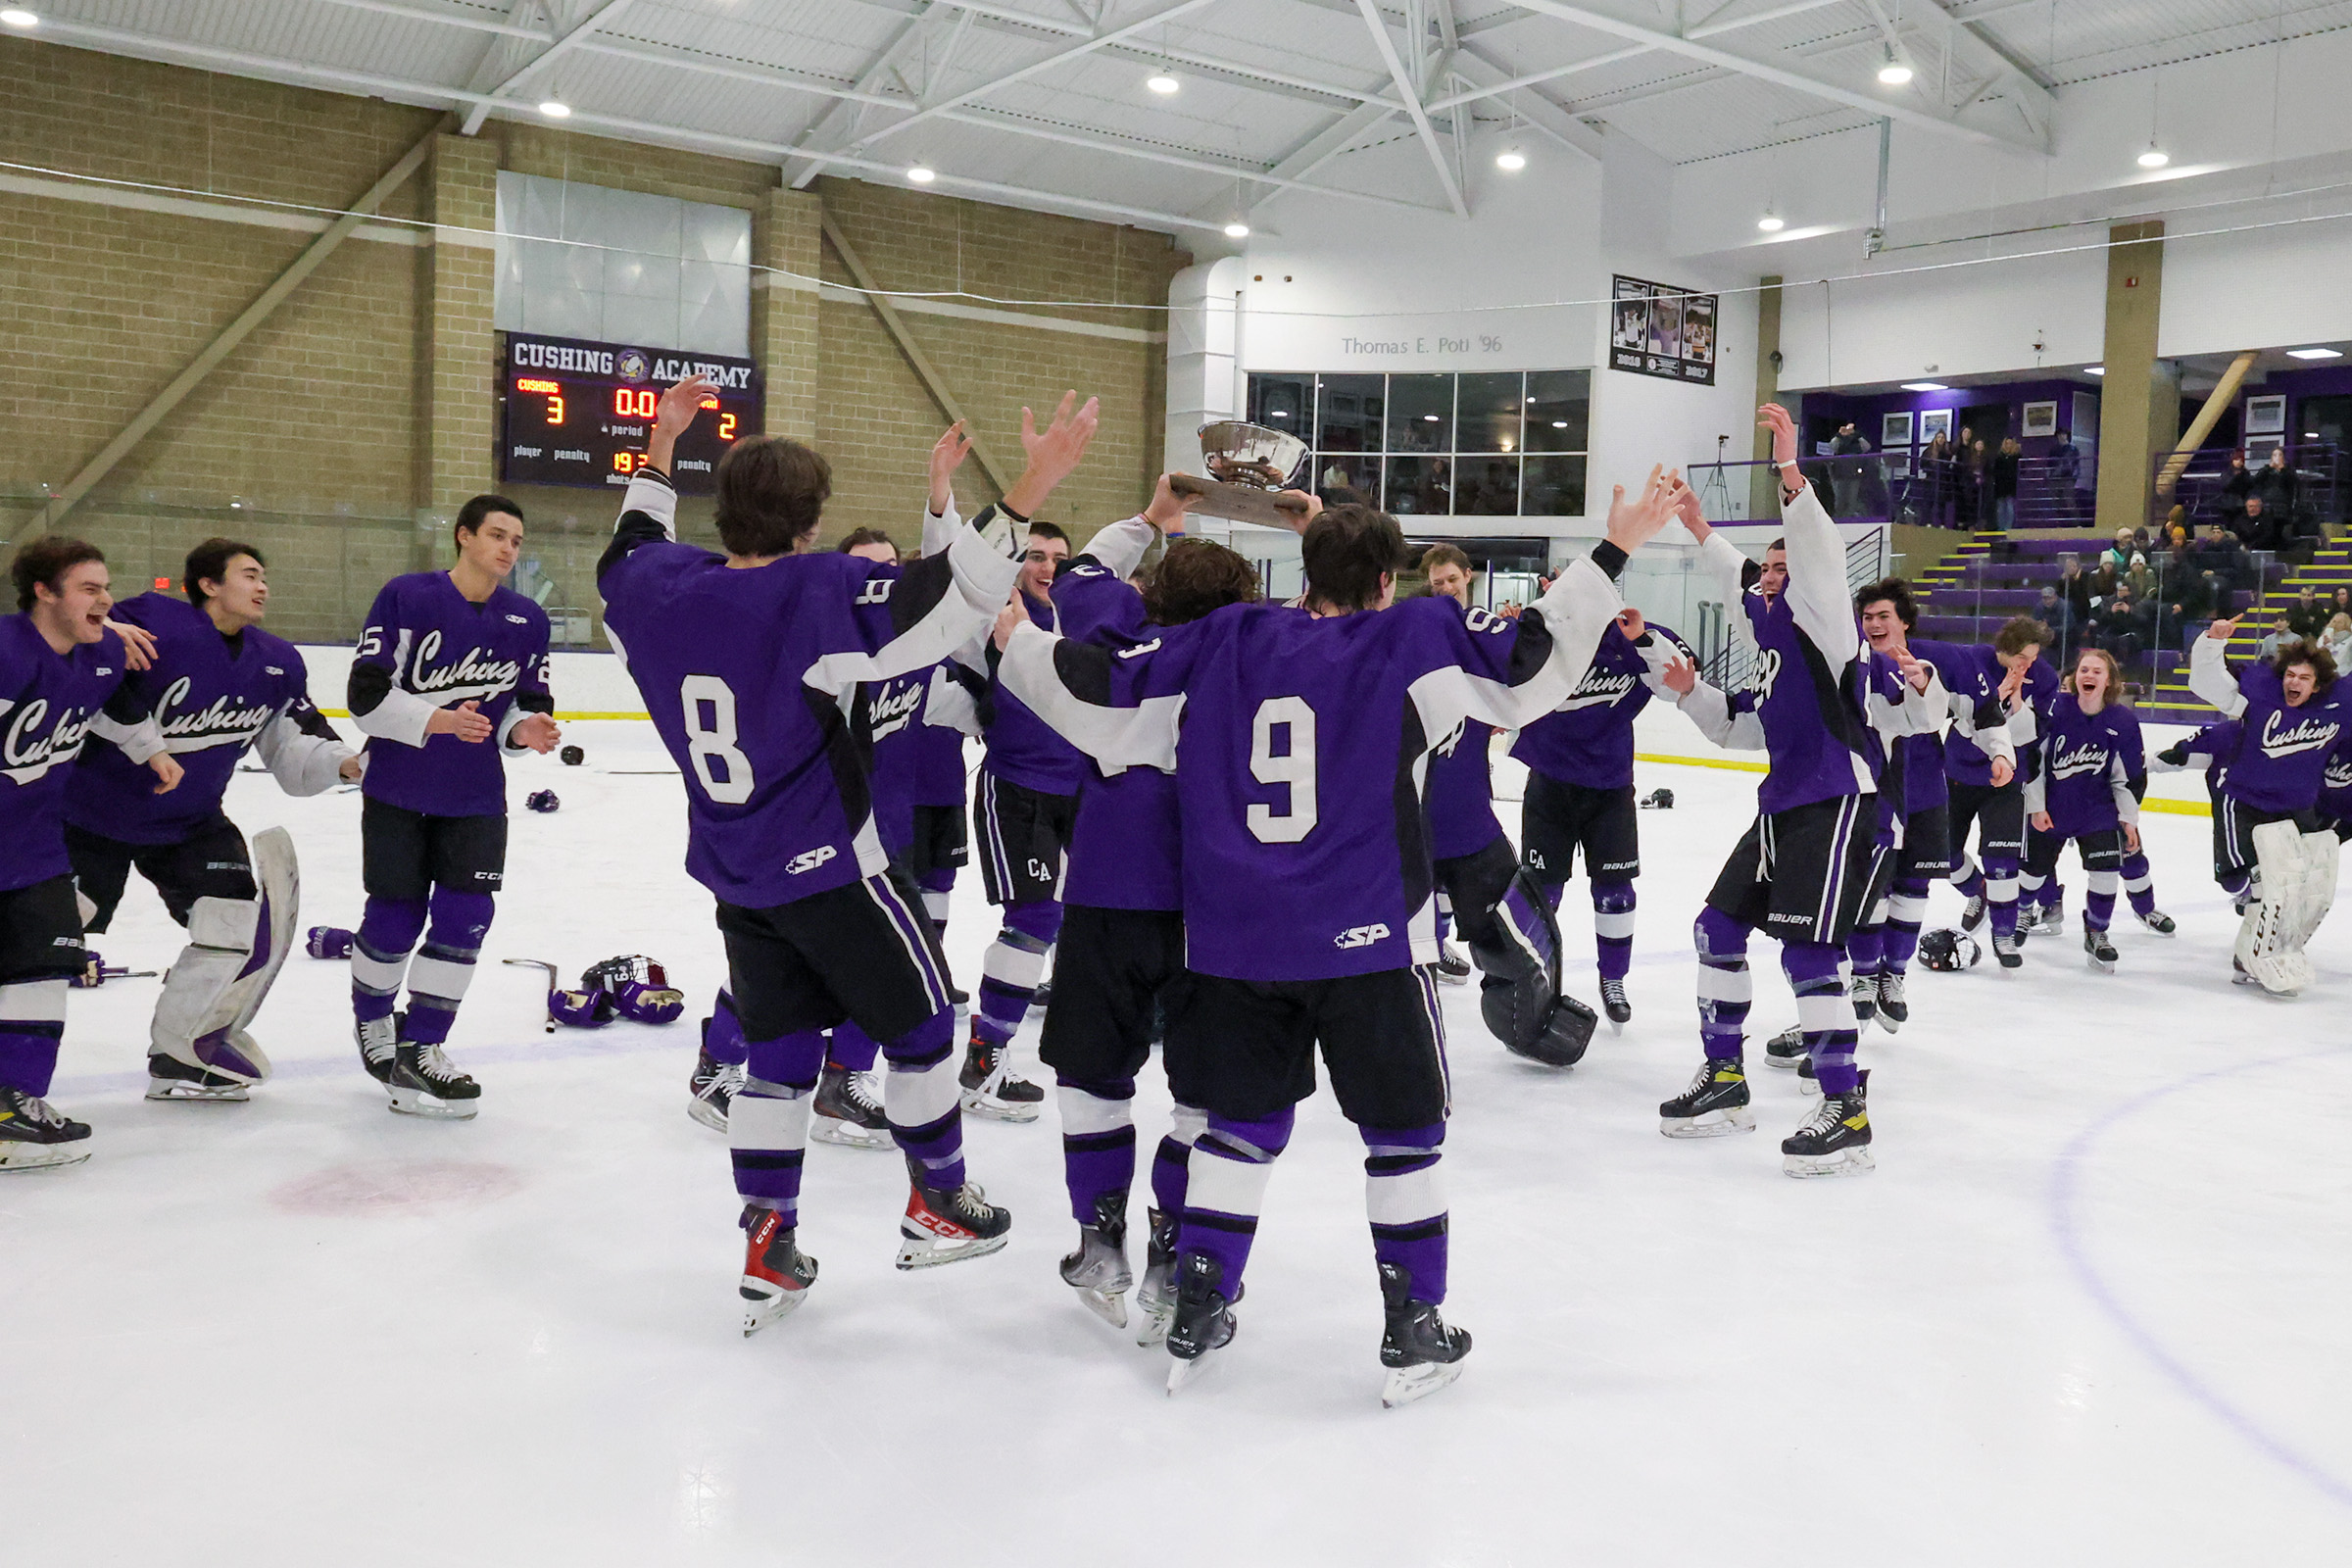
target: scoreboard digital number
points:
(579, 412)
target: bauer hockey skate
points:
(1422, 1354)
(1715, 1104)
(1786, 1048)
(1098, 1270)
(1834, 1140)
(424, 1083)
(170, 1078)
(776, 1273)
(847, 1113)
(378, 1041)
(36, 1136)
(1156, 1297)
(949, 1225)
(713, 1089)
(1203, 1322)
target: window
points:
(618, 266)
(1491, 444)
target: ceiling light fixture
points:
(1162, 83)
(1511, 159)
(1925, 386)
(13, 18)
(921, 174)
(2314, 354)
(2094, 370)
(1772, 222)
(1559, 424)
(2154, 158)
(1897, 70)
(1237, 229)
(555, 108)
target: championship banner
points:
(1661, 330)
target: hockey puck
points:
(572, 756)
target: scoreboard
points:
(578, 413)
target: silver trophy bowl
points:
(1247, 464)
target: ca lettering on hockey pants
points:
(1013, 967)
(1098, 1144)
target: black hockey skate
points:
(713, 1089)
(1834, 1140)
(847, 1113)
(36, 1136)
(170, 1078)
(991, 1090)
(1894, 1010)
(380, 1044)
(2157, 921)
(1452, 968)
(1614, 1004)
(776, 1273)
(1786, 1048)
(1098, 1270)
(2049, 917)
(1863, 993)
(1422, 1354)
(424, 1083)
(948, 1226)
(1156, 1297)
(2005, 950)
(2099, 952)
(1808, 1082)
(1715, 1104)
(1972, 913)
(1203, 1317)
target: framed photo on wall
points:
(2266, 415)
(1899, 464)
(1933, 423)
(1894, 430)
(2041, 419)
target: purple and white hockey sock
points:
(379, 954)
(1725, 987)
(1013, 965)
(768, 1124)
(722, 1033)
(1171, 1162)
(2139, 882)
(2001, 896)
(32, 1023)
(1968, 878)
(1612, 929)
(1866, 945)
(1098, 1142)
(937, 884)
(2098, 904)
(2237, 881)
(444, 966)
(1406, 1204)
(1823, 1012)
(1231, 1165)
(1906, 912)
(923, 1101)
(851, 1048)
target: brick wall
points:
(341, 434)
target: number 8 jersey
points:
(748, 673)
(1299, 748)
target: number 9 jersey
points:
(748, 673)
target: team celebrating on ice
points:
(1241, 831)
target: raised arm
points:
(1730, 722)
(1124, 710)
(2209, 674)
(941, 519)
(1816, 592)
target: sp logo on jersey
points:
(810, 860)
(1360, 936)
(1768, 673)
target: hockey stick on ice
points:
(552, 981)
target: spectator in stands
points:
(2102, 583)
(2176, 527)
(1845, 476)
(2275, 483)
(2341, 603)
(2236, 485)
(2280, 634)
(2120, 555)
(2074, 586)
(2004, 484)
(2221, 599)
(2257, 529)
(2224, 556)
(2123, 627)
(2337, 640)
(2307, 615)
(2066, 476)
(1979, 468)
(1935, 473)
(2184, 608)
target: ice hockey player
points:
(2079, 788)
(1461, 778)
(61, 678)
(1122, 936)
(218, 686)
(450, 674)
(1805, 870)
(745, 661)
(1308, 904)
(1988, 793)
(2270, 852)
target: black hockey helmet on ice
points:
(1948, 950)
(1659, 800)
(572, 756)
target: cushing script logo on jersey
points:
(2088, 758)
(224, 721)
(2310, 735)
(810, 860)
(1600, 688)
(895, 708)
(1360, 936)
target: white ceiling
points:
(1042, 103)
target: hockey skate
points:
(1156, 1297)
(991, 1090)
(1894, 1010)
(1098, 1270)
(1204, 1318)
(713, 1089)
(1452, 968)
(424, 1083)
(2157, 921)
(847, 1113)
(1972, 913)
(2098, 950)
(379, 1045)
(1808, 1082)
(1834, 1140)
(1614, 1004)
(36, 1136)
(1863, 993)
(1422, 1354)
(944, 1226)
(2005, 948)
(1786, 1048)
(2049, 919)
(170, 1078)
(1715, 1104)
(776, 1273)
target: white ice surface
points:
(2088, 1309)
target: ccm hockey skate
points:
(776, 1273)
(1204, 1318)
(1098, 1270)
(36, 1136)
(1422, 1354)
(948, 1226)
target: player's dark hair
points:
(1346, 550)
(1195, 577)
(471, 514)
(864, 536)
(45, 561)
(1893, 591)
(1042, 529)
(210, 560)
(1437, 556)
(1781, 545)
(771, 491)
(2305, 651)
(2019, 633)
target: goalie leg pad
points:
(2322, 851)
(2267, 946)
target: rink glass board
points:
(1663, 330)
(579, 414)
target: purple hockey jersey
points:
(2284, 751)
(916, 749)
(746, 674)
(1590, 739)
(1124, 850)
(49, 702)
(427, 646)
(1298, 746)
(1462, 791)
(1968, 753)
(1971, 679)
(2082, 775)
(1022, 748)
(212, 699)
